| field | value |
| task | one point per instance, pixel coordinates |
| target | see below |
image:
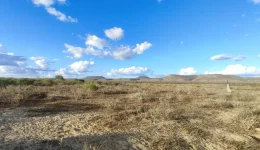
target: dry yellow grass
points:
(128, 115)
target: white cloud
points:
(100, 53)
(114, 33)
(17, 71)
(221, 57)
(49, 75)
(62, 71)
(41, 62)
(123, 53)
(62, 1)
(131, 71)
(101, 48)
(93, 40)
(8, 59)
(188, 71)
(81, 66)
(1, 45)
(140, 48)
(61, 16)
(238, 70)
(77, 52)
(255, 1)
(16, 66)
(22, 71)
(52, 11)
(227, 57)
(239, 58)
(45, 3)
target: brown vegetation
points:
(128, 115)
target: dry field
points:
(130, 116)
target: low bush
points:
(25, 81)
(59, 77)
(91, 86)
(7, 81)
(20, 95)
(44, 82)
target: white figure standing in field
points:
(228, 88)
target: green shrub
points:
(7, 81)
(59, 77)
(91, 86)
(25, 81)
(44, 82)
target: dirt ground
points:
(131, 116)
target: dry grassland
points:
(131, 116)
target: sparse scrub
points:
(25, 81)
(91, 86)
(43, 82)
(59, 77)
(159, 115)
(7, 81)
(220, 105)
(20, 95)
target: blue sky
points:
(115, 38)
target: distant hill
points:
(179, 78)
(207, 78)
(185, 78)
(217, 78)
(94, 78)
(142, 77)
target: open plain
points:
(130, 116)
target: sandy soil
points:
(20, 130)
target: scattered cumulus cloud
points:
(59, 15)
(114, 33)
(63, 71)
(238, 70)
(255, 1)
(239, 58)
(45, 3)
(188, 71)
(8, 59)
(131, 71)
(123, 53)
(93, 40)
(16, 66)
(221, 57)
(99, 47)
(81, 66)
(227, 57)
(77, 52)
(41, 62)
(17, 71)
(140, 48)
(52, 11)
